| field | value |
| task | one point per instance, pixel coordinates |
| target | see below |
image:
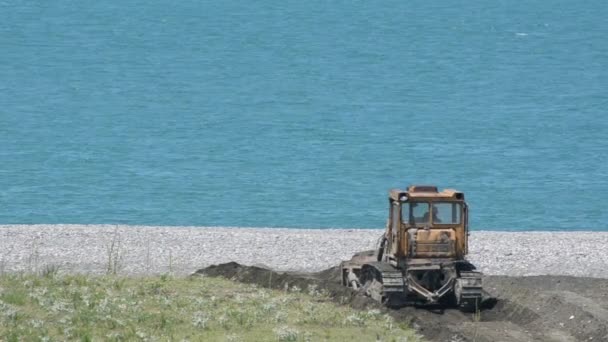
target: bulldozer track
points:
(390, 277)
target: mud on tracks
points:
(541, 308)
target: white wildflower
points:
(238, 298)
(313, 290)
(280, 317)
(389, 322)
(233, 338)
(36, 323)
(115, 335)
(223, 320)
(102, 306)
(262, 293)
(200, 319)
(285, 333)
(373, 313)
(141, 334)
(310, 309)
(60, 307)
(268, 307)
(68, 332)
(199, 301)
(10, 313)
(403, 339)
(355, 319)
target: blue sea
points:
(302, 113)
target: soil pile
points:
(539, 308)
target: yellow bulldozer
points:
(420, 258)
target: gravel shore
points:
(139, 250)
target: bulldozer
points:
(420, 258)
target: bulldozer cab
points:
(425, 222)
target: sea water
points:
(302, 113)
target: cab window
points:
(447, 213)
(442, 213)
(415, 212)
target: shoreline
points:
(335, 229)
(142, 250)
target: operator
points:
(436, 219)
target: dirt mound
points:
(328, 280)
(544, 308)
(558, 307)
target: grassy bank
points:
(95, 308)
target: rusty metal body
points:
(421, 255)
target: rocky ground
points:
(181, 250)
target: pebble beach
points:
(144, 250)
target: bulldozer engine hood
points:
(432, 242)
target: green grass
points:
(112, 308)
